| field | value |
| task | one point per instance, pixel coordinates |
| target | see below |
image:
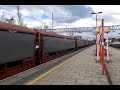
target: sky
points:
(65, 15)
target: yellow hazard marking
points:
(33, 81)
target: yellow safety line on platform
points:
(33, 81)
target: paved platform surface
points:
(81, 69)
(23, 77)
(114, 66)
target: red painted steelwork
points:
(54, 35)
(30, 62)
(46, 58)
(2, 75)
(14, 70)
(40, 47)
(75, 44)
(102, 38)
(7, 26)
(27, 63)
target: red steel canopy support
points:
(102, 47)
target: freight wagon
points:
(22, 48)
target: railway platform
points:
(114, 66)
(79, 69)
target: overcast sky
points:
(64, 15)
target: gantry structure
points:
(82, 29)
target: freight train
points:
(22, 48)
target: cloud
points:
(71, 13)
(110, 13)
(80, 11)
(64, 15)
(44, 16)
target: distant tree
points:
(37, 28)
(45, 27)
(11, 20)
(22, 23)
(2, 17)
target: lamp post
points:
(96, 33)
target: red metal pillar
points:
(102, 46)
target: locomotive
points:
(22, 48)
